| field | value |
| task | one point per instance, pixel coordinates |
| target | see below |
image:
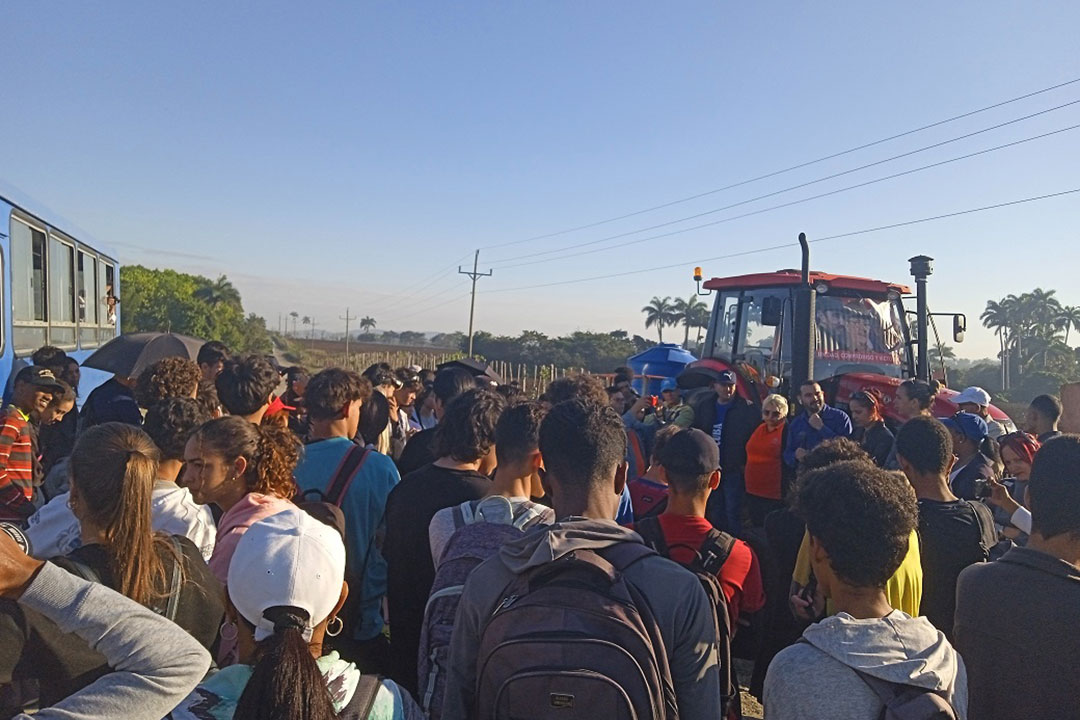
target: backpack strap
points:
(892, 694)
(174, 585)
(350, 465)
(715, 550)
(657, 509)
(85, 571)
(650, 531)
(363, 699)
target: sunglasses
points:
(771, 413)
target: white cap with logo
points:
(287, 560)
(974, 394)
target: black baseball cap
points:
(690, 452)
(41, 377)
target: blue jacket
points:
(801, 435)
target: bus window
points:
(28, 280)
(86, 299)
(61, 263)
(109, 300)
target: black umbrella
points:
(129, 355)
(476, 367)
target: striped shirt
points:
(16, 465)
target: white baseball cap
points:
(973, 394)
(289, 559)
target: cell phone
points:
(982, 488)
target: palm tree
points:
(219, 292)
(307, 321)
(998, 317)
(686, 312)
(295, 316)
(1069, 319)
(659, 313)
(367, 323)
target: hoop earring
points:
(228, 631)
(336, 629)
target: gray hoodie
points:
(814, 679)
(674, 595)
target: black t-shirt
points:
(32, 646)
(411, 572)
(952, 535)
(419, 451)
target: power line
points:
(427, 309)
(499, 263)
(785, 170)
(800, 201)
(725, 256)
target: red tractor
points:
(849, 333)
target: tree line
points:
(156, 300)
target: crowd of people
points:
(227, 538)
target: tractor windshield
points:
(855, 333)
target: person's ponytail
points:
(285, 683)
(277, 452)
(113, 467)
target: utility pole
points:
(472, 305)
(312, 332)
(347, 320)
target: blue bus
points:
(59, 287)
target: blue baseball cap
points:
(669, 384)
(727, 377)
(968, 425)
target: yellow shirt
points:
(904, 589)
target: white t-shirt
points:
(54, 530)
(520, 511)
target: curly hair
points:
(167, 378)
(170, 423)
(330, 390)
(208, 400)
(863, 516)
(271, 452)
(582, 442)
(246, 383)
(467, 430)
(572, 387)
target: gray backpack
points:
(906, 702)
(467, 548)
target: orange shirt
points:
(764, 461)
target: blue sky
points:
(325, 155)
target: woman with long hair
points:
(1009, 496)
(870, 430)
(113, 469)
(286, 587)
(243, 469)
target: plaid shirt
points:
(16, 465)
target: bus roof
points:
(13, 196)
(794, 277)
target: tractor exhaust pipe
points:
(802, 356)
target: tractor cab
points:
(860, 326)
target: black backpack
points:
(708, 559)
